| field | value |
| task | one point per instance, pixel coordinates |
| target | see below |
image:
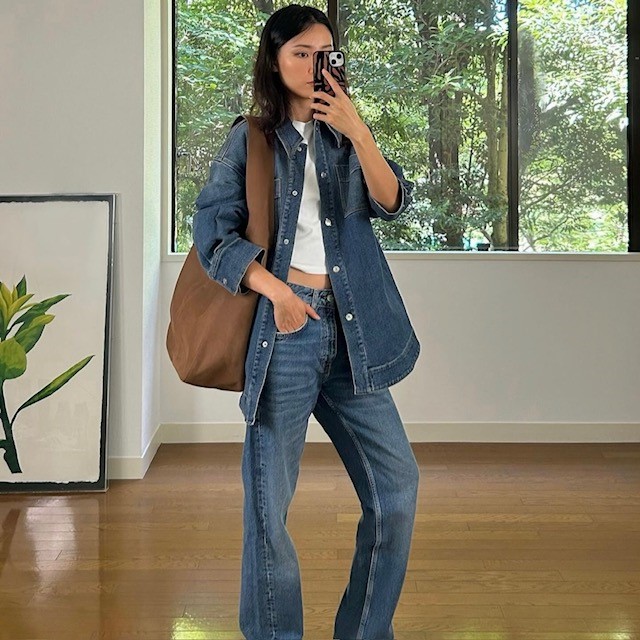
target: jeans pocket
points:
(282, 334)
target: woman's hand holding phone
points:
(333, 62)
(336, 108)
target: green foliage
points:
(55, 384)
(429, 79)
(28, 326)
(13, 359)
(575, 171)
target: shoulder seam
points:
(229, 163)
(222, 154)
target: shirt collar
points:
(291, 138)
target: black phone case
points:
(320, 83)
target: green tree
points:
(429, 78)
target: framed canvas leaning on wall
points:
(56, 266)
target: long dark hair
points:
(270, 100)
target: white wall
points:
(514, 347)
(154, 204)
(72, 120)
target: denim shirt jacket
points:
(381, 342)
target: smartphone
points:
(334, 62)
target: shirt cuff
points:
(232, 264)
(384, 213)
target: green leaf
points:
(40, 320)
(17, 304)
(22, 286)
(3, 318)
(13, 359)
(29, 338)
(32, 322)
(29, 334)
(54, 385)
(40, 308)
(5, 294)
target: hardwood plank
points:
(511, 541)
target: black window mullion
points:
(513, 168)
(633, 113)
(334, 19)
(174, 125)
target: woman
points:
(330, 334)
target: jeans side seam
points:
(265, 551)
(377, 511)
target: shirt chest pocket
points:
(352, 187)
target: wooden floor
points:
(511, 541)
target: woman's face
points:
(295, 60)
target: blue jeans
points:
(309, 372)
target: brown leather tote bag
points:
(209, 329)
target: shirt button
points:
(294, 193)
(224, 281)
(323, 174)
(327, 221)
(349, 316)
(286, 240)
(329, 297)
(336, 269)
(265, 343)
(299, 148)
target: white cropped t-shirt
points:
(308, 247)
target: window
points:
(572, 108)
(531, 157)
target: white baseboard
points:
(130, 468)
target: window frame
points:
(513, 191)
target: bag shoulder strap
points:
(259, 186)
(238, 119)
